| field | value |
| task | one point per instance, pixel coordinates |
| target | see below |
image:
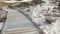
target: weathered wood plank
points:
(17, 20)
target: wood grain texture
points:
(5, 4)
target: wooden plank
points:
(17, 20)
